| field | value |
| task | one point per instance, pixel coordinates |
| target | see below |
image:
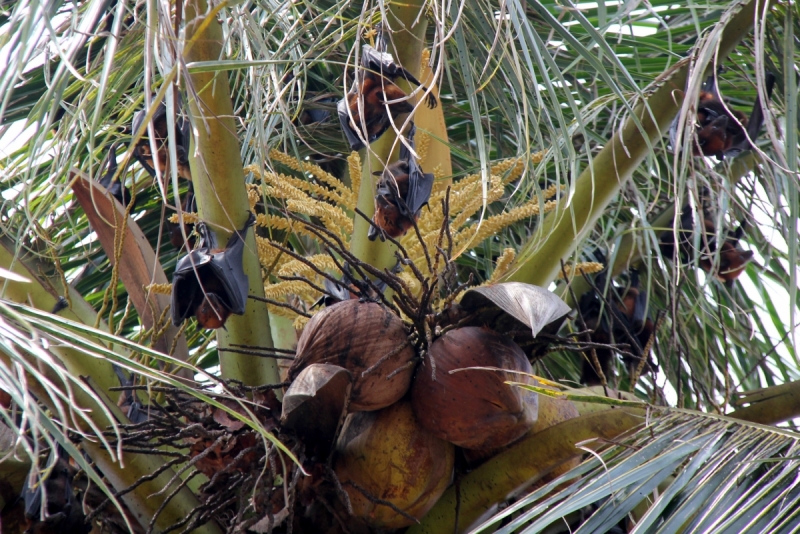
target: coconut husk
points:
(369, 341)
(393, 460)
(474, 408)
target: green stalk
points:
(520, 466)
(539, 261)
(219, 187)
(409, 41)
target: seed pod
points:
(474, 409)
(368, 340)
(392, 458)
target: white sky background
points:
(14, 136)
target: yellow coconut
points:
(390, 457)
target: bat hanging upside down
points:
(732, 259)
(143, 151)
(377, 95)
(721, 131)
(115, 187)
(402, 191)
(210, 282)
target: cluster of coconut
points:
(400, 416)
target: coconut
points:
(474, 409)
(391, 458)
(369, 341)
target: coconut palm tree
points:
(570, 145)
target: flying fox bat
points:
(732, 259)
(721, 131)
(210, 282)
(376, 94)
(143, 151)
(402, 191)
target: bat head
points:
(208, 270)
(142, 150)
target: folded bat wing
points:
(420, 184)
(223, 268)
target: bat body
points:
(626, 322)
(349, 288)
(210, 282)
(115, 187)
(143, 151)
(402, 191)
(53, 492)
(721, 131)
(377, 96)
(732, 259)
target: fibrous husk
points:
(475, 408)
(392, 458)
(369, 341)
(521, 311)
(313, 404)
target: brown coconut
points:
(474, 409)
(391, 457)
(369, 341)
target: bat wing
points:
(227, 267)
(384, 63)
(420, 184)
(186, 291)
(350, 134)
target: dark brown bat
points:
(143, 151)
(732, 259)
(53, 492)
(626, 323)
(373, 91)
(402, 191)
(721, 131)
(115, 187)
(210, 282)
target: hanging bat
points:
(626, 322)
(143, 152)
(175, 234)
(375, 93)
(402, 191)
(62, 511)
(732, 259)
(115, 187)
(721, 131)
(210, 282)
(134, 409)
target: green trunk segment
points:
(221, 194)
(539, 261)
(522, 465)
(408, 42)
(770, 406)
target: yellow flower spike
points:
(159, 289)
(334, 218)
(503, 263)
(282, 223)
(322, 262)
(285, 288)
(589, 267)
(344, 193)
(188, 218)
(492, 225)
(300, 322)
(354, 167)
(253, 195)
